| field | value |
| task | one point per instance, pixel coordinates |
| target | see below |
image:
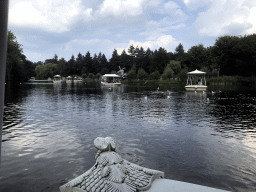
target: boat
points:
(68, 79)
(198, 86)
(57, 79)
(112, 173)
(110, 79)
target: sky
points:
(64, 27)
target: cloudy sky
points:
(65, 27)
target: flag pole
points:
(4, 5)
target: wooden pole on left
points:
(4, 5)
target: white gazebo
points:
(200, 85)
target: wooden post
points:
(4, 4)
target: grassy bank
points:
(232, 80)
(168, 81)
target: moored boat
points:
(196, 81)
(57, 78)
(110, 79)
(68, 79)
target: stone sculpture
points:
(112, 173)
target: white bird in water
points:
(208, 100)
(213, 92)
(145, 97)
(168, 97)
(109, 88)
(157, 89)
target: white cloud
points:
(227, 17)
(195, 4)
(120, 8)
(155, 29)
(165, 41)
(49, 15)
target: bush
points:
(97, 76)
(90, 75)
(183, 74)
(214, 72)
(155, 75)
(142, 74)
(164, 77)
(131, 75)
(84, 75)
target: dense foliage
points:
(230, 56)
(18, 68)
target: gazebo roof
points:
(196, 72)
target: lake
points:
(49, 129)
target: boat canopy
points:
(111, 75)
(196, 72)
(56, 76)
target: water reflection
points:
(194, 137)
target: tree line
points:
(230, 55)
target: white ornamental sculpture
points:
(112, 173)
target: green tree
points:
(114, 61)
(103, 62)
(61, 67)
(88, 62)
(168, 72)
(175, 66)
(18, 68)
(179, 51)
(195, 58)
(183, 74)
(159, 60)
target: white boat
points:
(78, 79)
(198, 86)
(68, 79)
(110, 79)
(57, 79)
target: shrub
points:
(155, 75)
(90, 75)
(97, 76)
(84, 75)
(164, 77)
(131, 75)
(142, 74)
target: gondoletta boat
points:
(196, 81)
(110, 79)
(112, 173)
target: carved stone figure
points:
(112, 173)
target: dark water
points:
(205, 139)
